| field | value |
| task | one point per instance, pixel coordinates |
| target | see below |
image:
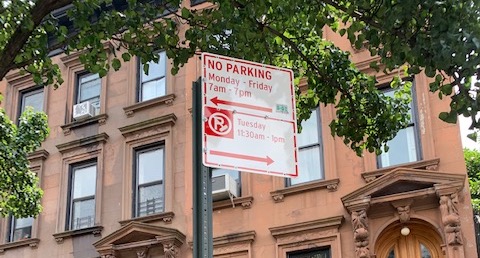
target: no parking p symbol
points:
(219, 122)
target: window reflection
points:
(391, 254)
(425, 252)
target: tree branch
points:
(355, 14)
(21, 34)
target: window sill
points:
(95, 231)
(163, 100)
(166, 217)
(430, 164)
(330, 184)
(32, 242)
(245, 202)
(100, 119)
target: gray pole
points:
(202, 184)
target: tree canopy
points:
(439, 37)
(472, 160)
(19, 190)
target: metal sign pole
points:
(202, 184)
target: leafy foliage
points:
(472, 160)
(439, 38)
(19, 191)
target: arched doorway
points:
(422, 242)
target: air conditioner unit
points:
(224, 187)
(83, 110)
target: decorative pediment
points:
(140, 237)
(401, 184)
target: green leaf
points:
(116, 64)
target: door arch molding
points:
(421, 233)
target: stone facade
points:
(350, 212)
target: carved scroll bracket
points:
(361, 233)
(451, 219)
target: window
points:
(218, 186)
(20, 228)
(82, 196)
(88, 89)
(153, 84)
(148, 181)
(32, 98)
(311, 253)
(405, 147)
(310, 153)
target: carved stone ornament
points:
(404, 213)
(108, 256)
(142, 253)
(278, 197)
(170, 250)
(247, 204)
(360, 233)
(451, 219)
(332, 187)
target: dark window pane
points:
(83, 214)
(391, 254)
(317, 253)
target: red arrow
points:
(267, 159)
(217, 101)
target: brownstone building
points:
(117, 175)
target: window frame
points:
(135, 177)
(97, 103)
(311, 251)
(71, 200)
(320, 144)
(12, 228)
(29, 92)
(141, 73)
(414, 123)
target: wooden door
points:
(422, 242)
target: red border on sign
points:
(206, 56)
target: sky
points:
(467, 143)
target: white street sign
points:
(249, 121)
